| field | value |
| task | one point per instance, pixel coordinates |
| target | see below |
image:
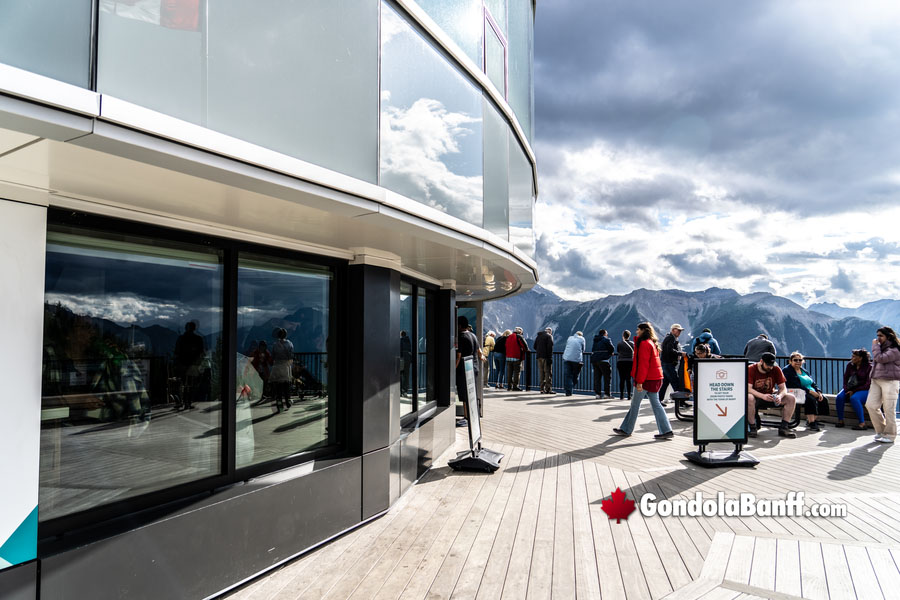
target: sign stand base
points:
(710, 458)
(479, 459)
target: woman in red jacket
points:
(647, 372)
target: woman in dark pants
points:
(624, 356)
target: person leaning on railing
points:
(882, 402)
(857, 379)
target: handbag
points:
(853, 381)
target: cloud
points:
(843, 281)
(711, 264)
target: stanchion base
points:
(483, 460)
(711, 459)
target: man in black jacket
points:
(671, 352)
(543, 346)
(601, 353)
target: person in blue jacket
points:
(601, 352)
(706, 337)
(573, 359)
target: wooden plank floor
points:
(536, 528)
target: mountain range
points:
(822, 330)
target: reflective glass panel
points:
(496, 164)
(431, 130)
(297, 76)
(407, 332)
(495, 59)
(521, 198)
(131, 370)
(521, 56)
(497, 8)
(425, 332)
(284, 388)
(461, 20)
(48, 37)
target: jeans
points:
(499, 366)
(570, 375)
(662, 420)
(624, 369)
(670, 376)
(883, 396)
(545, 369)
(513, 369)
(857, 399)
(602, 377)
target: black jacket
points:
(671, 350)
(543, 345)
(602, 350)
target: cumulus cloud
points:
(843, 281)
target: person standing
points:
(516, 352)
(671, 352)
(573, 359)
(601, 354)
(706, 337)
(882, 401)
(466, 346)
(624, 356)
(543, 347)
(487, 350)
(500, 357)
(648, 377)
(282, 375)
(754, 349)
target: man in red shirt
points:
(516, 352)
(765, 389)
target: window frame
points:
(491, 24)
(170, 499)
(420, 289)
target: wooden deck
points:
(535, 528)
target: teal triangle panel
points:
(21, 546)
(737, 432)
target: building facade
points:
(236, 237)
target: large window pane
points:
(132, 361)
(425, 332)
(284, 383)
(431, 130)
(48, 37)
(461, 20)
(496, 164)
(521, 198)
(521, 51)
(495, 59)
(297, 76)
(407, 367)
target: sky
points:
(694, 144)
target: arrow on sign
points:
(723, 412)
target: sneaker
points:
(618, 431)
(664, 402)
(877, 437)
(858, 427)
(814, 426)
(664, 436)
(885, 440)
(598, 397)
(752, 433)
(784, 432)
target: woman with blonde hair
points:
(646, 370)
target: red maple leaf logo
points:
(619, 507)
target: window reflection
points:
(131, 368)
(283, 392)
(424, 330)
(407, 367)
(521, 198)
(431, 129)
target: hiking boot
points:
(785, 432)
(752, 433)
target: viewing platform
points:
(536, 528)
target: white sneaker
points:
(598, 397)
(877, 437)
(884, 439)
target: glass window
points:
(521, 198)
(496, 164)
(497, 10)
(297, 76)
(462, 20)
(495, 58)
(284, 387)
(431, 130)
(131, 388)
(425, 332)
(521, 55)
(407, 367)
(48, 37)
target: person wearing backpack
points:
(624, 356)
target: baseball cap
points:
(768, 358)
(676, 326)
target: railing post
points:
(528, 370)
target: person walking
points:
(602, 351)
(882, 401)
(671, 352)
(624, 356)
(573, 359)
(543, 347)
(648, 377)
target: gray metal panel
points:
(394, 317)
(444, 430)
(425, 454)
(376, 480)
(198, 553)
(380, 355)
(395, 449)
(19, 582)
(42, 121)
(409, 459)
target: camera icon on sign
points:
(721, 374)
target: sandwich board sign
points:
(720, 411)
(476, 458)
